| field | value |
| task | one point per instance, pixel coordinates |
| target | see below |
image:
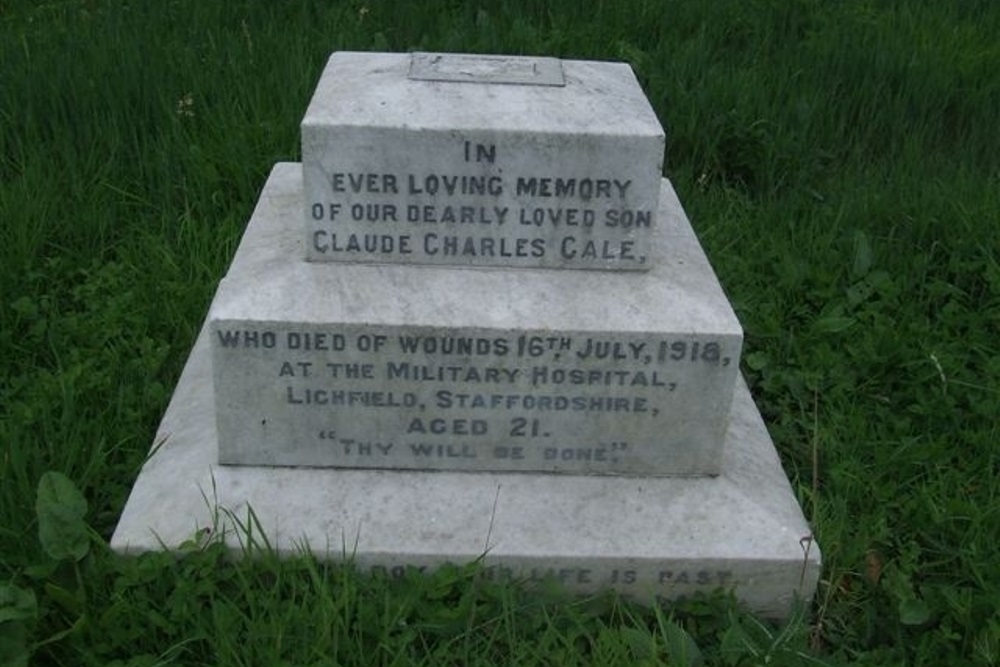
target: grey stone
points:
(648, 539)
(480, 160)
(426, 367)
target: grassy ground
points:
(840, 161)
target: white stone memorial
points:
(453, 385)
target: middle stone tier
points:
(425, 367)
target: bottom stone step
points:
(647, 538)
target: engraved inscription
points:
(662, 585)
(423, 397)
(485, 215)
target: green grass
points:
(839, 160)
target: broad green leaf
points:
(681, 647)
(834, 324)
(641, 643)
(41, 570)
(914, 612)
(863, 255)
(61, 509)
(17, 604)
(62, 597)
(756, 361)
(736, 645)
(860, 292)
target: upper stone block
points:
(480, 161)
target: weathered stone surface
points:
(423, 367)
(480, 160)
(646, 538)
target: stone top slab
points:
(494, 160)
(378, 90)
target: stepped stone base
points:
(650, 539)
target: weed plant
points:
(839, 161)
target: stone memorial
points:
(475, 322)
